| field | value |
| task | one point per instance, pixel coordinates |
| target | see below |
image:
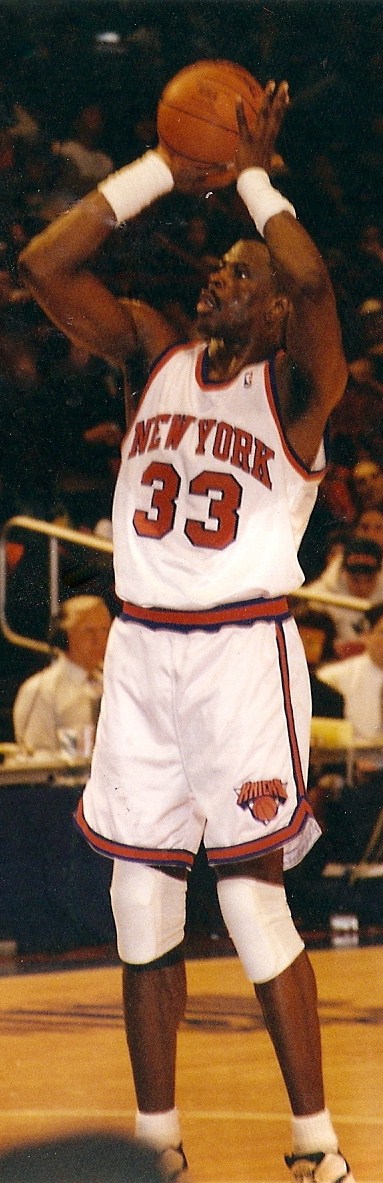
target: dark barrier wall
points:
(54, 890)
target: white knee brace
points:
(149, 911)
(259, 921)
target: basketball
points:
(196, 115)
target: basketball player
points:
(204, 726)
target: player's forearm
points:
(52, 267)
(68, 242)
(313, 336)
(86, 312)
(295, 256)
(297, 260)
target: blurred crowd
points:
(78, 94)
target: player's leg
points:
(149, 911)
(255, 910)
(154, 998)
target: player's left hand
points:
(257, 144)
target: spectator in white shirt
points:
(66, 695)
(360, 680)
(356, 571)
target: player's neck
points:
(226, 360)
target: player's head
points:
(243, 301)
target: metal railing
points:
(354, 603)
(57, 534)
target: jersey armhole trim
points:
(271, 387)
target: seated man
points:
(357, 571)
(67, 693)
(360, 680)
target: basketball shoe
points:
(173, 1164)
(319, 1168)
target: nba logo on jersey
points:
(248, 378)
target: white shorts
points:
(201, 735)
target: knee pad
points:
(149, 911)
(259, 921)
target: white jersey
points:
(211, 503)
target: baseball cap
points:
(362, 556)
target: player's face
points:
(235, 295)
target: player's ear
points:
(277, 309)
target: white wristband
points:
(136, 185)
(261, 199)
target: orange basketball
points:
(196, 116)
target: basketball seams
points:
(172, 106)
(199, 118)
(196, 115)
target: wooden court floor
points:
(64, 1067)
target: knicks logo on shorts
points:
(262, 798)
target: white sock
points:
(314, 1132)
(159, 1129)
